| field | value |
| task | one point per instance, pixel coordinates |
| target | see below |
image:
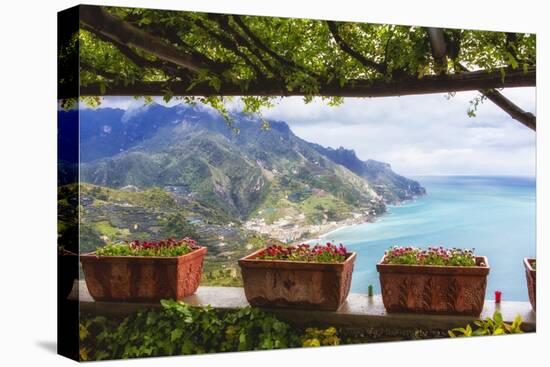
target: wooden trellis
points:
(196, 54)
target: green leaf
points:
(490, 326)
(242, 340)
(497, 317)
(187, 347)
(215, 83)
(175, 334)
(517, 321)
(168, 95)
(83, 332)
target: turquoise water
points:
(494, 215)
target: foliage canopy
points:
(211, 57)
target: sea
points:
(493, 215)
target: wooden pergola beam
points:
(474, 80)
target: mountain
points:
(392, 187)
(263, 177)
(195, 150)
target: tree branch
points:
(526, 118)
(136, 59)
(169, 69)
(223, 22)
(103, 73)
(439, 49)
(122, 32)
(386, 48)
(346, 48)
(439, 53)
(230, 45)
(261, 45)
(474, 80)
(165, 31)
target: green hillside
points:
(109, 215)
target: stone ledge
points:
(359, 311)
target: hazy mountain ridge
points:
(392, 187)
(243, 174)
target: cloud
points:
(427, 134)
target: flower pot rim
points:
(476, 269)
(251, 258)
(527, 262)
(93, 256)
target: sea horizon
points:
(469, 175)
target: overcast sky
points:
(417, 135)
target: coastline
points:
(337, 229)
(322, 236)
(288, 231)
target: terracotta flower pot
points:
(142, 278)
(531, 275)
(434, 289)
(296, 284)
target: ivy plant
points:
(489, 326)
(179, 328)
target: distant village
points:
(291, 229)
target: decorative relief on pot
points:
(142, 279)
(427, 292)
(294, 284)
(433, 289)
(404, 292)
(452, 294)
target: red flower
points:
(304, 252)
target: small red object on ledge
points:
(498, 296)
